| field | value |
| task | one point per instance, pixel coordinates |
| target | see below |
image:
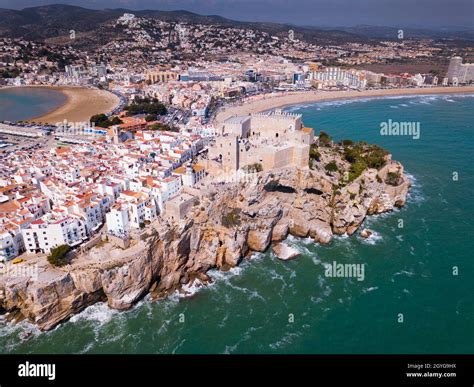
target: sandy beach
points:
(278, 100)
(81, 104)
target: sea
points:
(24, 103)
(416, 295)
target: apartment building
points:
(54, 230)
(190, 174)
(118, 220)
(11, 242)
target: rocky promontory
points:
(226, 225)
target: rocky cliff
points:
(228, 224)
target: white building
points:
(335, 76)
(141, 208)
(118, 221)
(11, 244)
(111, 189)
(45, 234)
(190, 174)
(91, 212)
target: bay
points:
(24, 103)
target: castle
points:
(271, 140)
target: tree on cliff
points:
(362, 156)
(324, 139)
(331, 167)
(58, 255)
(314, 153)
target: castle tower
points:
(188, 178)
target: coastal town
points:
(122, 179)
(78, 183)
(225, 179)
(170, 138)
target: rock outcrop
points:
(285, 252)
(229, 223)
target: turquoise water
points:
(23, 103)
(408, 270)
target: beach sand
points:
(81, 104)
(279, 100)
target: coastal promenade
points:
(265, 102)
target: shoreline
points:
(81, 103)
(152, 265)
(261, 104)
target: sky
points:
(324, 13)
